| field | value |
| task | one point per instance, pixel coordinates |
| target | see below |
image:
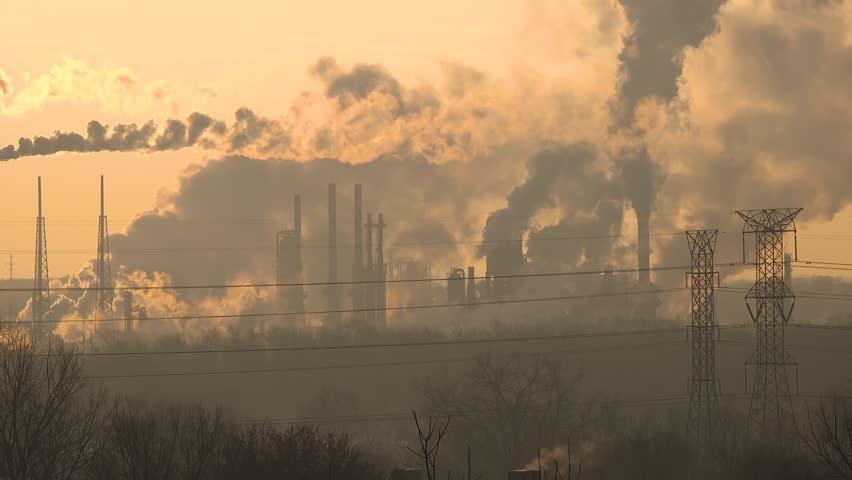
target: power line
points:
(406, 416)
(812, 295)
(357, 282)
(356, 310)
(814, 262)
(372, 364)
(432, 343)
(325, 247)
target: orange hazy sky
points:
(219, 56)
(253, 53)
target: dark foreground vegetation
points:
(504, 414)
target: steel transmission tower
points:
(41, 287)
(704, 386)
(771, 408)
(103, 274)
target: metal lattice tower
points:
(41, 286)
(771, 408)
(103, 273)
(704, 386)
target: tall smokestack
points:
(644, 248)
(297, 217)
(333, 290)
(648, 304)
(358, 256)
(471, 285)
(369, 288)
(127, 296)
(381, 288)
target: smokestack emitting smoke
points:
(644, 249)
(651, 64)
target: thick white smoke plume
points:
(737, 104)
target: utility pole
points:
(704, 386)
(771, 408)
(41, 283)
(11, 267)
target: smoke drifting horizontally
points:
(197, 129)
(688, 102)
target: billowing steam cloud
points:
(750, 115)
(544, 172)
(652, 58)
(364, 112)
(111, 87)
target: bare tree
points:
(557, 473)
(429, 436)
(200, 442)
(508, 406)
(828, 435)
(50, 417)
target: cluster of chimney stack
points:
(369, 272)
(369, 290)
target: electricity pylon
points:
(771, 409)
(704, 386)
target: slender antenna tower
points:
(41, 287)
(369, 288)
(333, 290)
(358, 256)
(704, 386)
(381, 273)
(103, 274)
(771, 408)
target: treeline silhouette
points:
(498, 413)
(56, 424)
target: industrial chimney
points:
(644, 248)
(288, 263)
(358, 257)
(333, 290)
(471, 285)
(648, 305)
(369, 288)
(381, 273)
